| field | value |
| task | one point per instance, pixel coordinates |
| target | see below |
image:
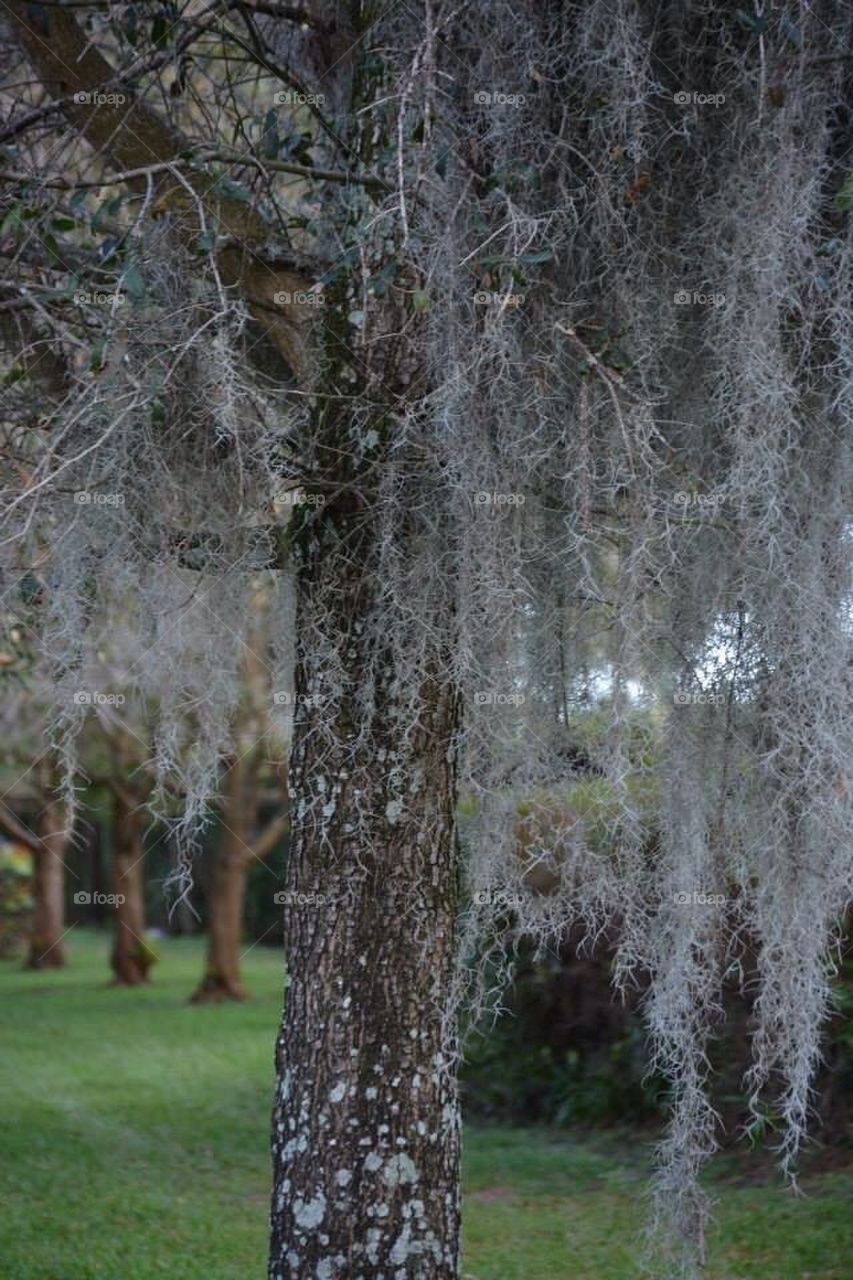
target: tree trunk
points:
(46, 950)
(221, 979)
(131, 957)
(365, 1140)
(365, 1126)
(228, 895)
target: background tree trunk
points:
(46, 950)
(131, 957)
(221, 979)
(240, 843)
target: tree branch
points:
(270, 835)
(13, 828)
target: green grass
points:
(134, 1146)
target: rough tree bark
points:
(365, 1126)
(131, 958)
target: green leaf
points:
(133, 282)
(420, 300)
(96, 359)
(161, 29)
(30, 588)
(12, 222)
(844, 199)
(49, 242)
(205, 242)
(107, 210)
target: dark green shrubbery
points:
(567, 1053)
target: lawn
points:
(134, 1146)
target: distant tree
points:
(46, 949)
(239, 846)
